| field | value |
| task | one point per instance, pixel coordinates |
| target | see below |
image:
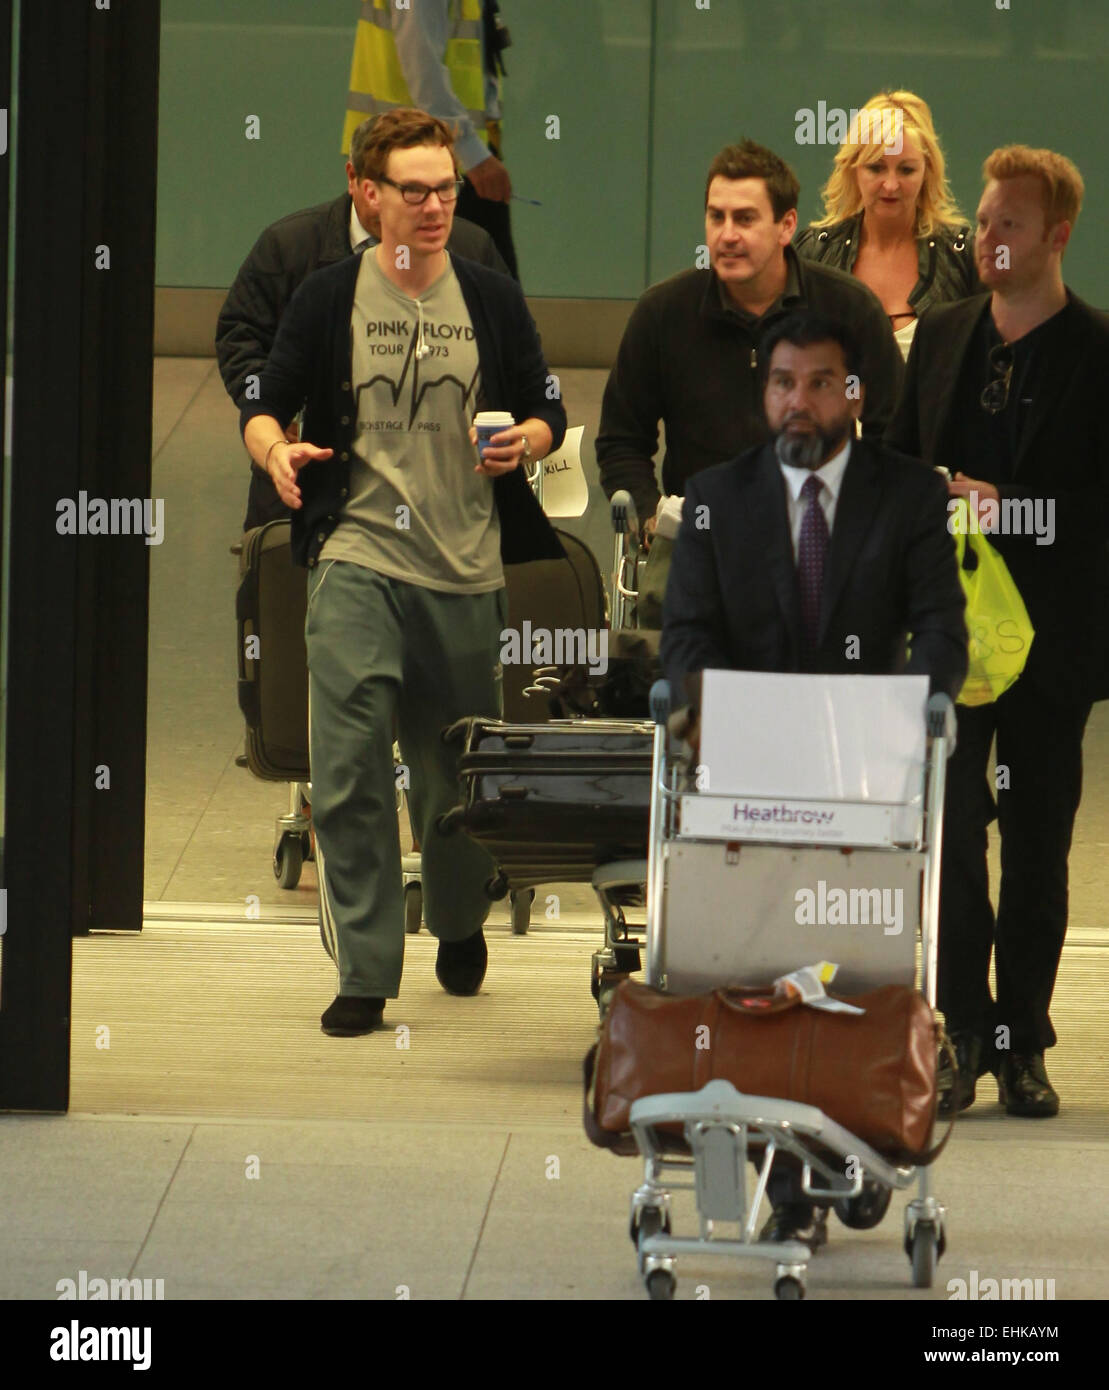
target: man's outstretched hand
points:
(285, 461)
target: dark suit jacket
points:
(733, 601)
(1063, 455)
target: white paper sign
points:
(565, 491)
(826, 738)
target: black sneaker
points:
(1023, 1087)
(460, 965)
(802, 1222)
(350, 1016)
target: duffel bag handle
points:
(944, 1046)
(751, 1000)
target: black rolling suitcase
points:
(273, 672)
(273, 662)
(552, 801)
(549, 594)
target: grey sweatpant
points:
(382, 652)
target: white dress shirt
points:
(831, 475)
(358, 234)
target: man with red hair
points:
(1006, 390)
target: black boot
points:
(350, 1016)
(1023, 1087)
(957, 1091)
(460, 965)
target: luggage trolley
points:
(627, 555)
(704, 856)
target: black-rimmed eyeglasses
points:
(416, 193)
(995, 396)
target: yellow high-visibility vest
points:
(377, 81)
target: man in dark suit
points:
(284, 255)
(1006, 390)
(816, 552)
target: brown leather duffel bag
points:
(873, 1073)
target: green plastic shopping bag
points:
(999, 629)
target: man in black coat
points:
(285, 254)
(734, 599)
(1006, 391)
(817, 552)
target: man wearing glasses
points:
(285, 254)
(1006, 391)
(405, 533)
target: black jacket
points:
(1063, 455)
(945, 260)
(690, 362)
(284, 255)
(310, 366)
(733, 602)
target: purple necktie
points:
(810, 559)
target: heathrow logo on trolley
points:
(761, 818)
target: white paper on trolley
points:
(810, 758)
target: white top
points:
(904, 337)
(831, 475)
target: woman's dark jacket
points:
(945, 259)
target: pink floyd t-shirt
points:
(416, 510)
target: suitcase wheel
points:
(661, 1285)
(865, 1211)
(789, 1289)
(413, 907)
(522, 900)
(288, 859)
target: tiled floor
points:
(220, 1142)
(349, 1209)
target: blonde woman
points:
(889, 216)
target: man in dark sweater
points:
(690, 354)
(285, 254)
(1005, 391)
(405, 533)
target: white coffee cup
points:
(491, 422)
